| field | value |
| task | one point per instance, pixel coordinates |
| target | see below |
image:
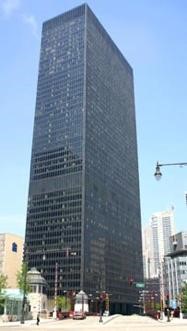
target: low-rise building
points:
(37, 296)
(11, 255)
(150, 296)
(11, 309)
(175, 268)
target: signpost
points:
(140, 285)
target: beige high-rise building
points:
(156, 241)
(11, 254)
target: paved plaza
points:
(112, 323)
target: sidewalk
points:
(27, 322)
(55, 321)
(119, 321)
(174, 321)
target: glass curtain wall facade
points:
(83, 207)
(175, 275)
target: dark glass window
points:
(14, 247)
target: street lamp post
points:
(100, 309)
(158, 174)
(90, 298)
(25, 287)
(56, 289)
(22, 321)
(82, 301)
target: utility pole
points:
(24, 271)
(24, 268)
(56, 288)
(162, 292)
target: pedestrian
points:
(38, 319)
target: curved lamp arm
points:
(158, 174)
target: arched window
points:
(14, 247)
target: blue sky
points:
(152, 35)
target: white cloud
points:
(10, 6)
(30, 20)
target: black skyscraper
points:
(83, 208)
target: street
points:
(115, 322)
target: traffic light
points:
(130, 281)
(167, 300)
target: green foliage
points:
(157, 306)
(2, 303)
(184, 299)
(22, 281)
(63, 303)
(3, 282)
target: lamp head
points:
(158, 173)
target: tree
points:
(24, 287)
(184, 298)
(22, 281)
(63, 303)
(3, 284)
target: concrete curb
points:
(110, 318)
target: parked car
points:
(176, 312)
(79, 315)
(71, 314)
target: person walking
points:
(38, 319)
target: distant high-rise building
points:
(147, 244)
(83, 226)
(11, 255)
(156, 241)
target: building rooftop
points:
(34, 277)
